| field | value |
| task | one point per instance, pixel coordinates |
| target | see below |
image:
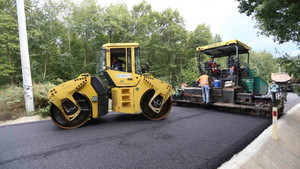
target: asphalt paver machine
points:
(234, 87)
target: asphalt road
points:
(190, 137)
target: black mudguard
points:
(102, 91)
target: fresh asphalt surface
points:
(190, 137)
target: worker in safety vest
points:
(274, 89)
(204, 80)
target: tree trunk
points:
(85, 54)
(170, 78)
(10, 66)
(45, 68)
(110, 34)
(11, 80)
(69, 40)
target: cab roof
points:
(226, 48)
(280, 77)
(120, 45)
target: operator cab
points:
(231, 70)
(120, 63)
(127, 56)
(118, 60)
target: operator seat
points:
(230, 62)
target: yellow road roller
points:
(132, 89)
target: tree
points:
(44, 30)
(86, 22)
(278, 18)
(291, 65)
(201, 36)
(168, 40)
(262, 64)
(143, 21)
(9, 40)
(117, 23)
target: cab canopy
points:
(281, 77)
(226, 48)
(120, 45)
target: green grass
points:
(12, 103)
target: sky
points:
(223, 18)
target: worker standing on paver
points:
(213, 65)
(274, 89)
(203, 81)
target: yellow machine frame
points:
(129, 86)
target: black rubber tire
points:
(58, 118)
(149, 113)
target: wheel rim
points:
(59, 119)
(149, 113)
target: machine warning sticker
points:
(124, 76)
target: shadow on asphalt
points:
(226, 110)
(130, 117)
(116, 118)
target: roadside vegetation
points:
(12, 103)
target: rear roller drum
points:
(148, 112)
(59, 119)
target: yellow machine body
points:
(127, 99)
(130, 91)
(65, 91)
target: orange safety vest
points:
(203, 80)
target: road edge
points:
(241, 158)
(24, 119)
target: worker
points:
(204, 80)
(213, 65)
(274, 89)
(183, 85)
(231, 71)
(284, 94)
(211, 60)
(117, 63)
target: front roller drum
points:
(148, 112)
(59, 119)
